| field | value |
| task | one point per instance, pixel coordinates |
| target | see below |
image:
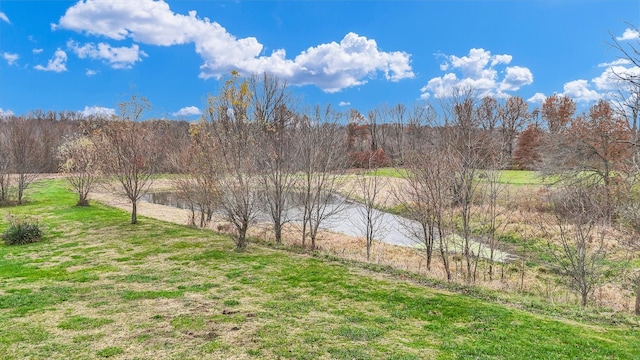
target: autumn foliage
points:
(527, 155)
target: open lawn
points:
(520, 177)
(513, 177)
(98, 287)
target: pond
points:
(347, 218)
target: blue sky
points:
(89, 55)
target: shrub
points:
(21, 230)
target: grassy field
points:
(513, 177)
(97, 287)
(520, 177)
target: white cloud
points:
(579, 90)
(188, 111)
(335, 66)
(11, 58)
(538, 98)
(37, 51)
(118, 57)
(97, 110)
(629, 34)
(477, 71)
(4, 17)
(344, 103)
(607, 85)
(501, 59)
(615, 62)
(515, 78)
(57, 64)
(5, 113)
(91, 72)
(332, 67)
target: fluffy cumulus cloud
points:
(10, 58)
(188, 111)
(516, 77)
(537, 98)
(610, 79)
(4, 17)
(581, 90)
(332, 67)
(57, 64)
(37, 51)
(98, 111)
(90, 72)
(479, 71)
(344, 103)
(628, 34)
(117, 57)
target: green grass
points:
(83, 323)
(389, 172)
(98, 287)
(513, 177)
(520, 177)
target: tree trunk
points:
(304, 232)
(21, 181)
(82, 200)
(241, 244)
(637, 308)
(427, 233)
(134, 212)
(277, 229)
(491, 263)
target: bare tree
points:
(427, 196)
(200, 188)
(322, 163)
(491, 212)
(234, 133)
(79, 162)
(577, 235)
(470, 150)
(5, 163)
(404, 129)
(271, 103)
(488, 113)
(369, 185)
(128, 151)
(514, 116)
(25, 152)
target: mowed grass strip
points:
(98, 287)
(511, 177)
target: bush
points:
(22, 230)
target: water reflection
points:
(346, 219)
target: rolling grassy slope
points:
(97, 287)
